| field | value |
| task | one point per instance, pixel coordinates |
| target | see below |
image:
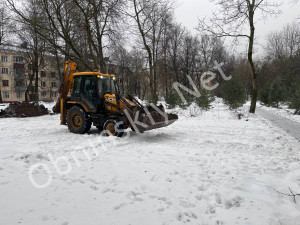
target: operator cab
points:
(91, 88)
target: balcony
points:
(18, 65)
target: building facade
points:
(15, 70)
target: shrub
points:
(233, 92)
(277, 93)
(172, 99)
(188, 98)
(205, 100)
(264, 95)
(295, 97)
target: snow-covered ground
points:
(209, 169)
(283, 110)
(3, 105)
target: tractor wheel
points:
(110, 126)
(78, 120)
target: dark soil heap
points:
(24, 109)
(157, 117)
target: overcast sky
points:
(189, 11)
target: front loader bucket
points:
(155, 120)
(148, 118)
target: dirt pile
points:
(157, 117)
(24, 109)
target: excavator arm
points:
(65, 86)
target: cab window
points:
(76, 88)
(90, 86)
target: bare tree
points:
(177, 33)
(120, 57)
(5, 30)
(79, 29)
(189, 57)
(149, 17)
(230, 21)
(34, 47)
(5, 23)
(283, 48)
(137, 65)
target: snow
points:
(284, 111)
(3, 105)
(207, 169)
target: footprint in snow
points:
(94, 187)
(161, 209)
(234, 202)
(186, 204)
(119, 206)
(211, 209)
(218, 198)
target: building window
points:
(53, 94)
(43, 84)
(44, 94)
(5, 94)
(19, 95)
(53, 84)
(18, 59)
(3, 58)
(19, 82)
(5, 83)
(53, 74)
(19, 71)
(43, 74)
(4, 70)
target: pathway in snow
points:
(291, 127)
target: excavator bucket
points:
(159, 120)
(151, 117)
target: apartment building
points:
(15, 68)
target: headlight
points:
(101, 77)
(114, 78)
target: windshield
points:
(104, 87)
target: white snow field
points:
(210, 169)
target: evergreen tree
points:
(188, 98)
(264, 95)
(172, 99)
(233, 92)
(277, 93)
(205, 100)
(295, 98)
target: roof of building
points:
(12, 48)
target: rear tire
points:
(110, 127)
(78, 121)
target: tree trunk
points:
(1, 101)
(250, 60)
(36, 88)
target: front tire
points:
(113, 127)
(78, 121)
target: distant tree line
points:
(142, 42)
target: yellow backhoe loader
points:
(87, 98)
